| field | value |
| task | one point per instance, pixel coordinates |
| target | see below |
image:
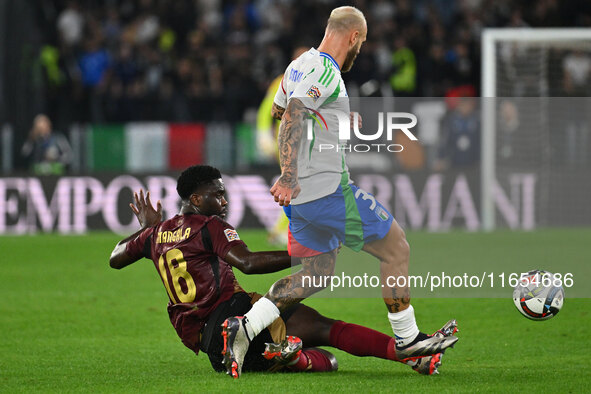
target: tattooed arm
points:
(277, 112)
(290, 134)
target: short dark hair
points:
(194, 177)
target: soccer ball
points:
(538, 295)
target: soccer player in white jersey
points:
(325, 208)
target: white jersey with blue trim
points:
(315, 79)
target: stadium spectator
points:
(48, 153)
(438, 74)
(125, 67)
(460, 146)
(94, 63)
(577, 74)
(577, 83)
(70, 24)
(509, 122)
(404, 75)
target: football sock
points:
(404, 326)
(361, 341)
(312, 360)
(261, 315)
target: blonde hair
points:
(345, 19)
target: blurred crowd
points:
(208, 60)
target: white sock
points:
(260, 316)
(404, 326)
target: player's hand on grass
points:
(144, 211)
(285, 190)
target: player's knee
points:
(399, 244)
(403, 248)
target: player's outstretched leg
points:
(317, 330)
(394, 252)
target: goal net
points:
(536, 117)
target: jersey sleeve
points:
(317, 85)
(140, 246)
(281, 95)
(223, 237)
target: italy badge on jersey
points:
(382, 214)
(314, 92)
(231, 235)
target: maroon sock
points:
(362, 341)
(313, 361)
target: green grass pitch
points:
(69, 323)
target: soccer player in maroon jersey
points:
(194, 253)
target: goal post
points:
(535, 64)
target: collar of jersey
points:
(326, 55)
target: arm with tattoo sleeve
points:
(290, 135)
(277, 112)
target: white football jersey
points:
(315, 79)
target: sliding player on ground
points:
(194, 253)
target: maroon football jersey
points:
(188, 252)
